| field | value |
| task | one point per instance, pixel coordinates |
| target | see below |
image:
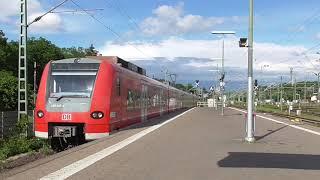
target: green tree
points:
(91, 51)
(3, 47)
(181, 87)
(8, 91)
(41, 51)
(73, 52)
(8, 54)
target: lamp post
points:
(214, 89)
(250, 130)
(223, 33)
(243, 43)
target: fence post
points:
(2, 126)
(33, 122)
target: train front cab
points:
(73, 100)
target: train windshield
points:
(72, 83)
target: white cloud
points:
(10, 9)
(51, 23)
(200, 64)
(278, 57)
(171, 20)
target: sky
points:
(162, 35)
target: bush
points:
(22, 125)
(4, 151)
(18, 145)
(36, 143)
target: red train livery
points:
(88, 98)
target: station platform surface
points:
(199, 144)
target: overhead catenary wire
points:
(131, 22)
(109, 28)
(306, 21)
(123, 13)
(52, 9)
(76, 10)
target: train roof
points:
(110, 59)
(113, 60)
(123, 63)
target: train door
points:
(162, 104)
(144, 102)
(120, 96)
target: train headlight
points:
(100, 115)
(97, 115)
(40, 114)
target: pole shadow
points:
(269, 133)
(270, 160)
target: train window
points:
(133, 100)
(155, 100)
(130, 100)
(136, 100)
(118, 86)
(70, 83)
(149, 101)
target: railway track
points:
(300, 118)
(310, 121)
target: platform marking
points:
(79, 165)
(293, 126)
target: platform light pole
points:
(223, 33)
(250, 130)
(213, 88)
(243, 43)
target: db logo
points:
(66, 117)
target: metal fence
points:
(9, 120)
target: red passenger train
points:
(88, 98)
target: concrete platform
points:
(201, 144)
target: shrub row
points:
(18, 145)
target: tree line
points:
(39, 50)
